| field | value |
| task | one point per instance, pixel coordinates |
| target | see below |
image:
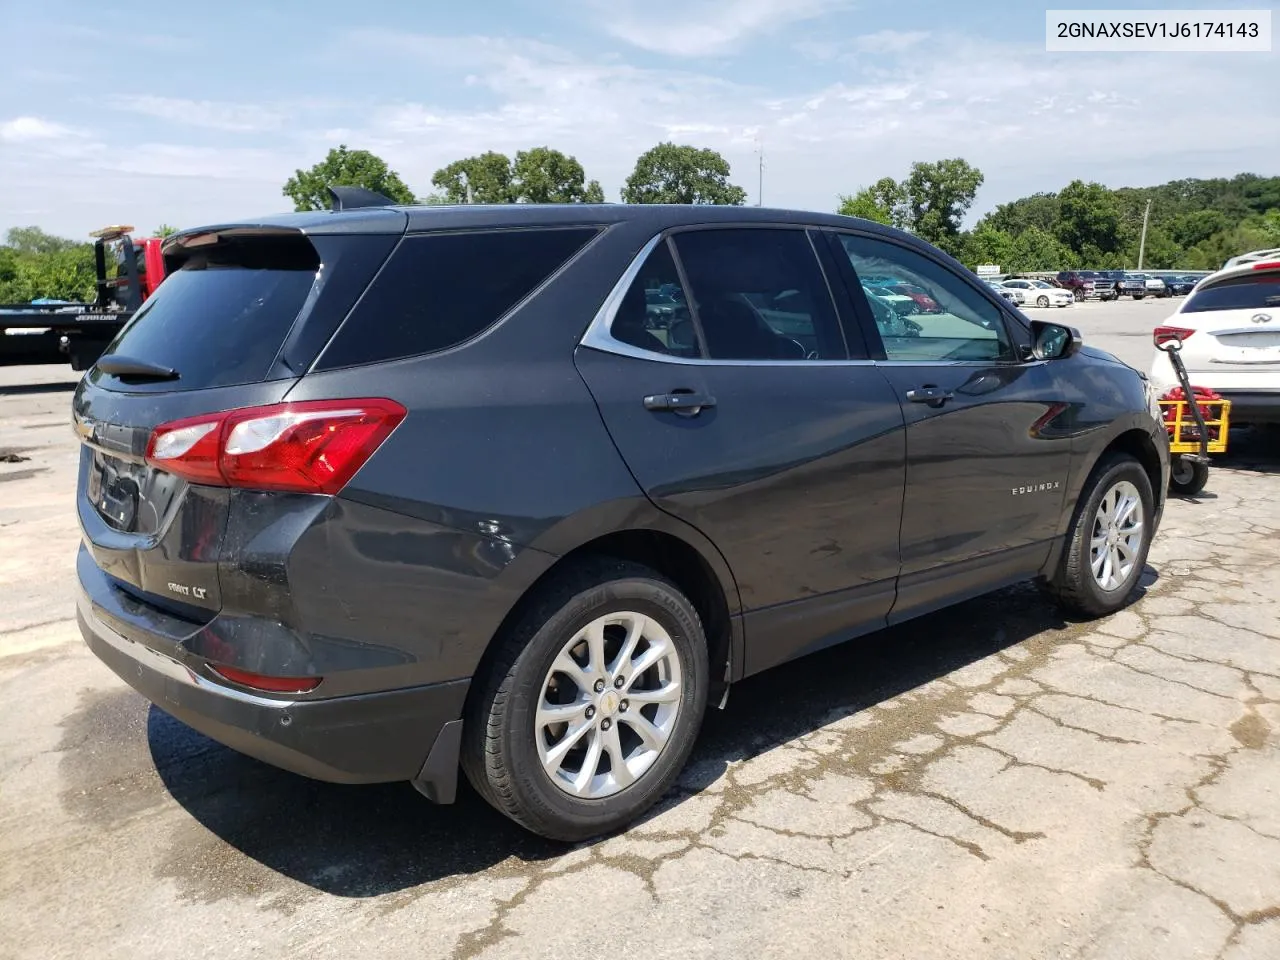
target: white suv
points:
(1230, 328)
(1028, 292)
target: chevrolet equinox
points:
(381, 493)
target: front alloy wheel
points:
(1117, 536)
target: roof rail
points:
(351, 198)
(1257, 256)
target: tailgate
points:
(239, 317)
(156, 535)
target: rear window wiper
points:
(119, 365)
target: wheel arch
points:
(1131, 438)
(654, 539)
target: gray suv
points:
(383, 493)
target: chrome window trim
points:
(598, 337)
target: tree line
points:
(667, 173)
(1193, 224)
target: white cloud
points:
(213, 115)
(30, 129)
(889, 41)
(700, 28)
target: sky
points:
(195, 113)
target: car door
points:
(745, 413)
(987, 458)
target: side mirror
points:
(1053, 341)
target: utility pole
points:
(760, 172)
(1142, 244)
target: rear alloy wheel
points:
(1109, 537)
(1042, 301)
(591, 704)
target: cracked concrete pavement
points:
(988, 782)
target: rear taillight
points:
(308, 447)
(268, 684)
(1267, 265)
(1162, 335)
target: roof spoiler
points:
(351, 198)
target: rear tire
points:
(509, 750)
(1085, 583)
(1188, 477)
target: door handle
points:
(686, 403)
(933, 396)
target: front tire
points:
(589, 707)
(1108, 540)
(1042, 301)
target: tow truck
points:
(50, 331)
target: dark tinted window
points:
(221, 318)
(760, 295)
(438, 290)
(1238, 293)
(956, 322)
(654, 313)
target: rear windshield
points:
(222, 316)
(438, 290)
(1238, 293)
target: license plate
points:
(1250, 348)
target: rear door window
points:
(760, 294)
(1239, 293)
(441, 289)
(221, 317)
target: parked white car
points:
(1002, 290)
(1155, 286)
(1230, 332)
(1028, 292)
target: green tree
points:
(682, 174)
(594, 193)
(1038, 210)
(882, 202)
(33, 240)
(543, 175)
(487, 178)
(938, 195)
(308, 189)
(164, 230)
(65, 274)
(1089, 217)
(1036, 249)
(988, 244)
(1162, 252)
(1189, 229)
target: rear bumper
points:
(406, 734)
(1253, 406)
